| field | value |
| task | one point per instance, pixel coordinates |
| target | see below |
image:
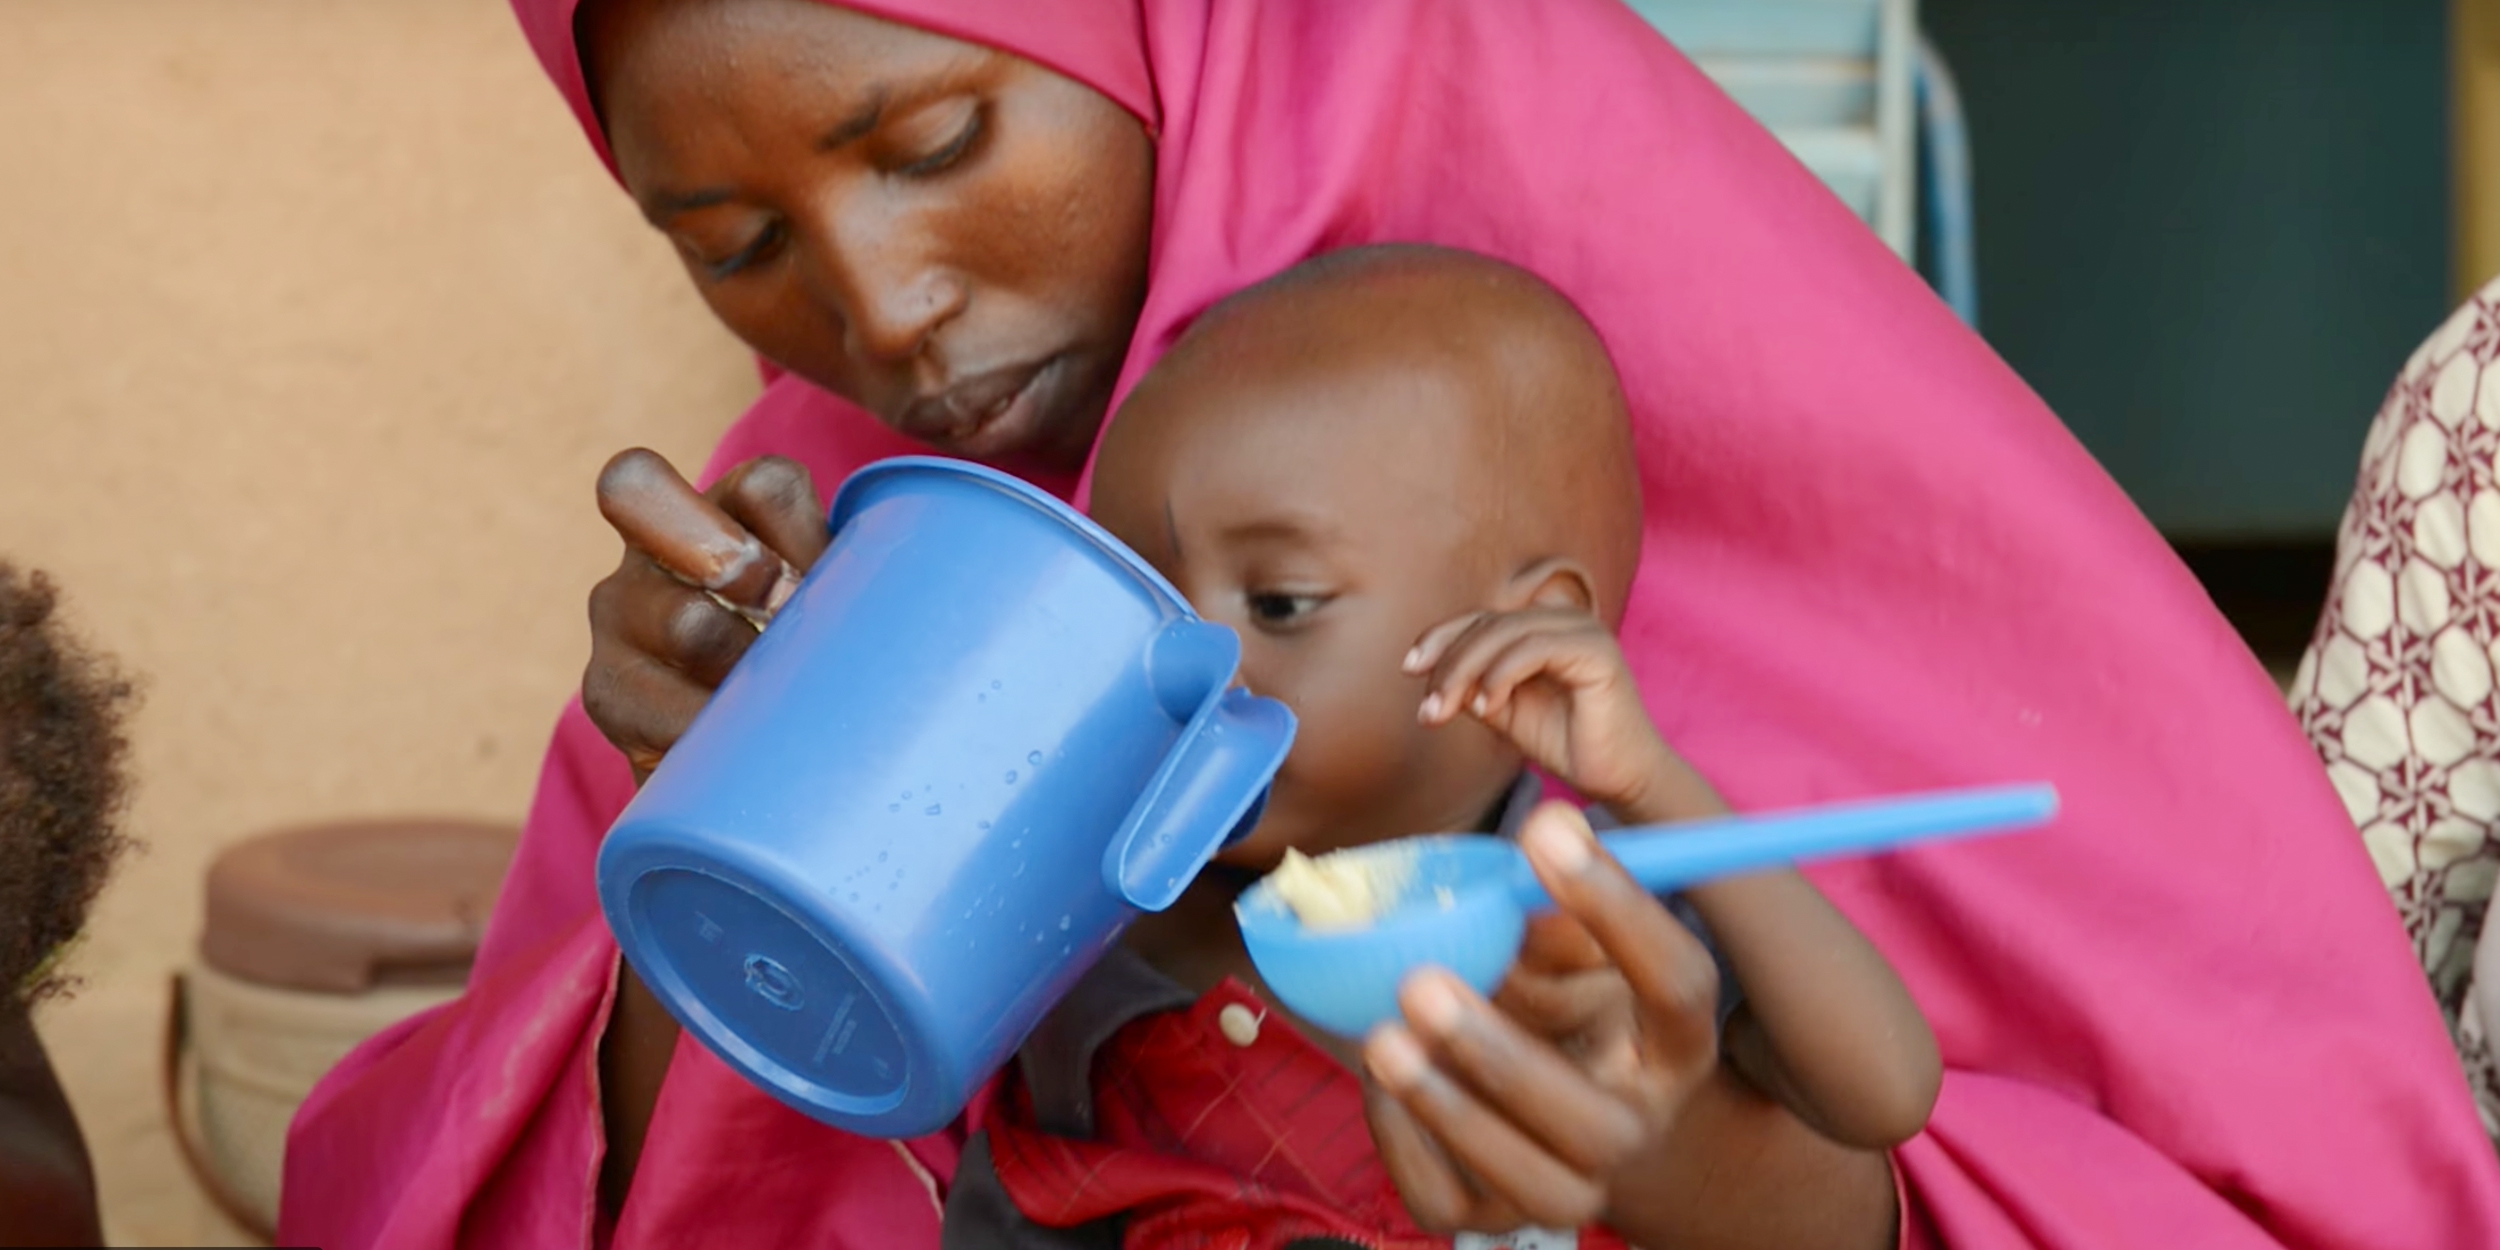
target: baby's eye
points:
(1275, 609)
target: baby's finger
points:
(1564, 1008)
(1452, 684)
(1440, 1200)
(1672, 977)
(687, 534)
(1505, 1163)
(1436, 641)
(1569, 656)
(1556, 944)
(1521, 1078)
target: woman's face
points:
(949, 236)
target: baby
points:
(61, 791)
(1404, 476)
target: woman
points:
(2396, 690)
(1873, 562)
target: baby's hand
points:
(1540, 1107)
(1553, 681)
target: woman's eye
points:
(757, 249)
(1273, 609)
(948, 153)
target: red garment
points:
(1207, 1144)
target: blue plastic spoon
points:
(1463, 903)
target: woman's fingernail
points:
(1394, 1058)
(1434, 1005)
(1553, 840)
(1431, 708)
(1414, 660)
(1481, 704)
(786, 586)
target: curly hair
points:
(63, 784)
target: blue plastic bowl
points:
(1346, 981)
(978, 740)
(1463, 902)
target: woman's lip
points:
(967, 405)
(1005, 408)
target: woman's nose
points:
(892, 294)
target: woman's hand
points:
(1526, 1111)
(701, 574)
(1553, 681)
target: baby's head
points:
(1340, 458)
(61, 784)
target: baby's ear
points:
(1551, 583)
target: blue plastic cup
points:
(979, 739)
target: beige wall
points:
(316, 319)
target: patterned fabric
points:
(2397, 689)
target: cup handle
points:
(1211, 785)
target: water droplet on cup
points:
(1063, 924)
(893, 807)
(880, 857)
(985, 824)
(907, 796)
(1034, 759)
(854, 896)
(934, 809)
(1011, 776)
(995, 685)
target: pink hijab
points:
(1874, 562)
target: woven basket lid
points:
(341, 908)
